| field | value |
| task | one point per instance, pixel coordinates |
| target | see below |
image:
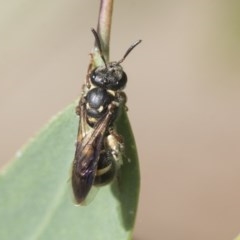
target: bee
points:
(99, 147)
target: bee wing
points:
(84, 167)
(87, 153)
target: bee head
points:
(111, 75)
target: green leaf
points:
(36, 199)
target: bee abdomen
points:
(106, 169)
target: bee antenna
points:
(129, 50)
(98, 43)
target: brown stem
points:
(104, 25)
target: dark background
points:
(183, 99)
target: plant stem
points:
(104, 25)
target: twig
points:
(104, 26)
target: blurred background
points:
(183, 99)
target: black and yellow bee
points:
(99, 147)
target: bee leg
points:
(77, 110)
(118, 137)
(122, 99)
(114, 142)
(90, 68)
